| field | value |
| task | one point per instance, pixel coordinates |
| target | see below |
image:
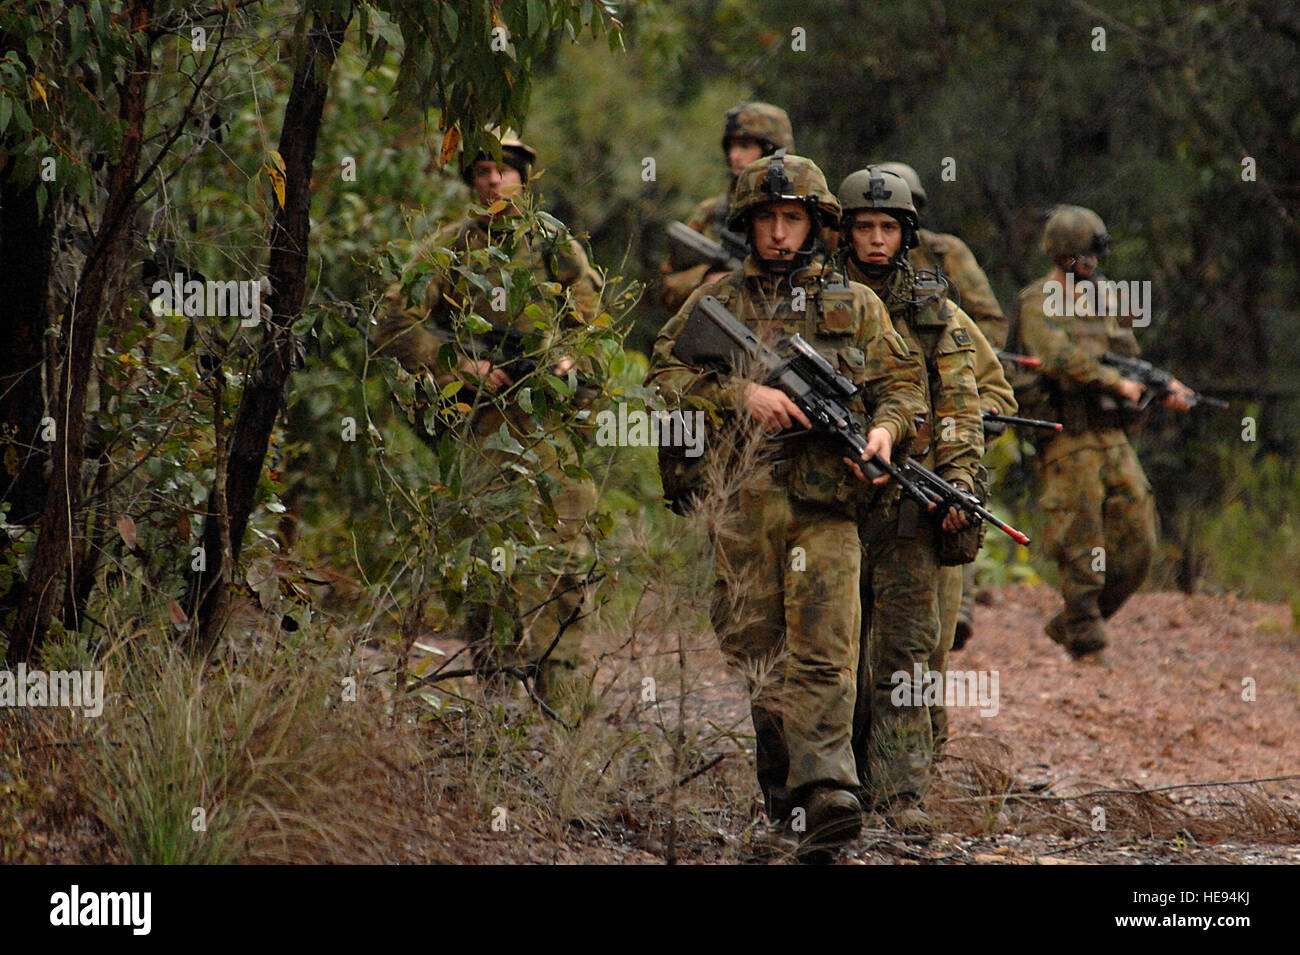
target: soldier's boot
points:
(834, 819)
(1085, 638)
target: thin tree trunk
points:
(264, 392)
(43, 591)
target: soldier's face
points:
(493, 181)
(876, 237)
(780, 229)
(742, 151)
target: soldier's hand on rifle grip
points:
(880, 443)
(955, 521)
(1131, 390)
(1178, 397)
(772, 408)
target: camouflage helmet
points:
(910, 177)
(768, 124)
(1073, 231)
(782, 177)
(515, 153)
(886, 191)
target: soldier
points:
(750, 132)
(415, 333)
(900, 575)
(1100, 516)
(796, 619)
(939, 252)
(969, 287)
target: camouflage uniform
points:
(900, 578)
(770, 126)
(789, 620)
(1101, 520)
(957, 584)
(414, 334)
(969, 287)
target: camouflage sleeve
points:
(996, 393)
(959, 433)
(701, 219)
(1063, 359)
(894, 381)
(677, 381)
(977, 298)
(574, 271)
(412, 332)
(677, 286)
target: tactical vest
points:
(808, 463)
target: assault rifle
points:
(997, 423)
(691, 248)
(1157, 382)
(713, 336)
(946, 495)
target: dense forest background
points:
(149, 141)
(165, 475)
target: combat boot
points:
(1078, 645)
(834, 820)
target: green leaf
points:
(6, 110)
(450, 21)
(525, 400)
(451, 388)
(502, 440)
(477, 324)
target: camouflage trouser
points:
(787, 616)
(531, 604)
(900, 580)
(1101, 532)
(956, 589)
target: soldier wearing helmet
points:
(1101, 522)
(792, 628)
(415, 332)
(968, 286)
(750, 131)
(901, 564)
